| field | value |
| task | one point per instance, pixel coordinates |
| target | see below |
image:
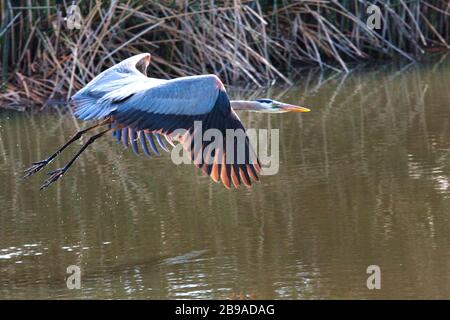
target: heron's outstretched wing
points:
(149, 105)
(167, 106)
(195, 104)
(90, 102)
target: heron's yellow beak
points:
(293, 108)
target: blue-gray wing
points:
(165, 106)
(129, 95)
(139, 107)
(87, 101)
(210, 111)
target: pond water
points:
(363, 180)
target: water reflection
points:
(363, 180)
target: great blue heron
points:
(138, 108)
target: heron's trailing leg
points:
(37, 166)
(56, 174)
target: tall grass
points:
(42, 61)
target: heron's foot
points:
(54, 175)
(37, 166)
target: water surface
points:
(363, 180)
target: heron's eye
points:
(274, 105)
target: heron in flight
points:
(140, 109)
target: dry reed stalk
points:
(240, 40)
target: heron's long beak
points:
(293, 108)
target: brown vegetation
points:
(42, 61)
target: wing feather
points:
(150, 140)
(143, 142)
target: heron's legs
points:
(37, 166)
(56, 174)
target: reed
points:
(44, 62)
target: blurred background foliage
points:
(43, 61)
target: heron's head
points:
(273, 106)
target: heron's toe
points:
(54, 175)
(37, 166)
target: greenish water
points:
(363, 180)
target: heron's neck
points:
(245, 105)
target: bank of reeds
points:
(42, 61)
